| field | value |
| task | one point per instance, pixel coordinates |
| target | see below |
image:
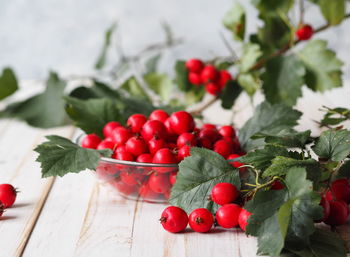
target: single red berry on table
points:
(339, 213)
(194, 65)
(227, 131)
(213, 88)
(243, 219)
(209, 74)
(120, 135)
(155, 144)
(201, 220)
(172, 177)
(305, 32)
(136, 146)
(223, 148)
(341, 189)
(8, 195)
(106, 144)
(224, 77)
(159, 183)
(224, 193)
(184, 152)
(136, 122)
(227, 215)
(91, 141)
(186, 138)
(145, 158)
(154, 129)
(131, 178)
(109, 127)
(159, 115)
(194, 78)
(124, 156)
(174, 219)
(181, 122)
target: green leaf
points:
(323, 243)
(333, 145)
(335, 116)
(283, 79)
(250, 82)
(182, 76)
(286, 137)
(97, 90)
(234, 20)
(230, 93)
(195, 95)
(272, 6)
(152, 63)
(198, 174)
(344, 171)
(45, 110)
(91, 115)
(250, 55)
(59, 156)
(323, 68)
(133, 87)
(333, 11)
(8, 83)
(160, 84)
(267, 118)
(101, 60)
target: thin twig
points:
(229, 48)
(302, 12)
(204, 106)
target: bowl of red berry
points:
(147, 150)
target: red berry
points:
(171, 146)
(109, 127)
(243, 219)
(194, 65)
(91, 141)
(209, 74)
(194, 78)
(164, 155)
(184, 152)
(159, 183)
(235, 164)
(124, 188)
(223, 148)
(124, 156)
(305, 32)
(159, 115)
(169, 129)
(106, 144)
(181, 122)
(277, 185)
(201, 220)
(205, 142)
(8, 195)
(155, 144)
(174, 219)
(209, 126)
(341, 189)
(120, 135)
(186, 138)
(145, 158)
(224, 193)
(136, 121)
(172, 178)
(227, 215)
(211, 134)
(154, 129)
(339, 212)
(131, 178)
(136, 146)
(224, 76)
(146, 193)
(213, 88)
(227, 131)
(121, 148)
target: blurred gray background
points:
(66, 35)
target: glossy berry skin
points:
(186, 138)
(341, 190)
(172, 178)
(305, 32)
(194, 78)
(124, 156)
(194, 65)
(243, 219)
(181, 122)
(213, 88)
(201, 220)
(224, 77)
(339, 213)
(184, 152)
(211, 134)
(223, 148)
(154, 129)
(209, 74)
(209, 126)
(8, 195)
(91, 141)
(155, 144)
(136, 146)
(159, 115)
(106, 144)
(121, 148)
(236, 164)
(145, 158)
(224, 193)
(109, 127)
(227, 215)
(170, 131)
(174, 219)
(227, 131)
(130, 178)
(120, 135)
(164, 155)
(159, 183)
(205, 142)
(136, 122)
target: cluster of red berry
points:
(8, 196)
(229, 215)
(304, 32)
(200, 74)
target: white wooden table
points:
(76, 216)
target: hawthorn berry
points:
(136, 146)
(159, 115)
(124, 188)
(181, 122)
(224, 77)
(205, 142)
(106, 144)
(91, 141)
(153, 129)
(164, 155)
(194, 65)
(159, 183)
(194, 78)
(223, 148)
(170, 131)
(227, 131)
(186, 138)
(174, 219)
(236, 164)
(155, 144)
(305, 32)
(184, 152)
(338, 214)
(209, 74)
(172, 177)
(201, 220)
(227, 215)
(243, 219)
(8, 195)
(136, 122)
(224, 193)
(277, 185)
(109, 127)
(341, 189)
(131, 178)
(146, 192)
(145, 158)
(213, 88)
(211, 134)
(120, 135)
(209, 126)
(124, 156)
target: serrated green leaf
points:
(323, 68)
(250, 55)
(181, 78)
(45, 110)
(267, 118)
(59, 156)
(133, 87)
(333, 145)
(234, 21)
(249, 82)
(8, 83)
(286, 137)
(97, 90)
(283, 79)
(230, 93)
(335, 116)
(101, 60)
(198, 174)
(333, 11)
(160, 84)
